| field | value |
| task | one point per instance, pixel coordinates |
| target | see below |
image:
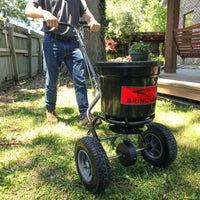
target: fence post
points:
(30, 54)
(40, 60)
(13, 53)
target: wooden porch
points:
(185, 83)
(179, 81)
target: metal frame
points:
(132, 127)
(95, 100)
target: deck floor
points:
(185, 83)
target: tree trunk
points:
(94, 41)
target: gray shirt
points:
(68, 11)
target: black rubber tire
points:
(92, 164)
(163, 146)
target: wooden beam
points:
(20, 35)
(173, 7)
(4, 50)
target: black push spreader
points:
(128, 94)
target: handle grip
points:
(81, 24)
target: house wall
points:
(187, 6)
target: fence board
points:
(13, 54)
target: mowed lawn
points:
(37, 158)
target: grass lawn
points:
(37, 158)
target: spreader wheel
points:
(92, 164)
(162, 147)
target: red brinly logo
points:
(138, 95)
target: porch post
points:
(173, 7)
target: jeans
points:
(54, 52)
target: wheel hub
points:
(128, 153)
(155, 149)
(85, 166)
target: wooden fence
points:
(20, 53)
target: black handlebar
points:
(82, 24)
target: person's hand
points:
(51, 20)
(94, 25)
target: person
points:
(60, 45)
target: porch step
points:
(185, 83)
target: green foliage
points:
(126, 17)
(154, 17)
(13, 10)
(156, 58)
(139, 47)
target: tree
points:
(13, 10)
(126, 17)
(95, 44)
(154, 18)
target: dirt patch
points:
(10, 91)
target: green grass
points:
(37, 158)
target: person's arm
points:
(33, 12)
(94, 25)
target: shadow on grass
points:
(69, 112)
(178, 181)
(21, 113)
(50, 161)
(17, 96)
(23, 119)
